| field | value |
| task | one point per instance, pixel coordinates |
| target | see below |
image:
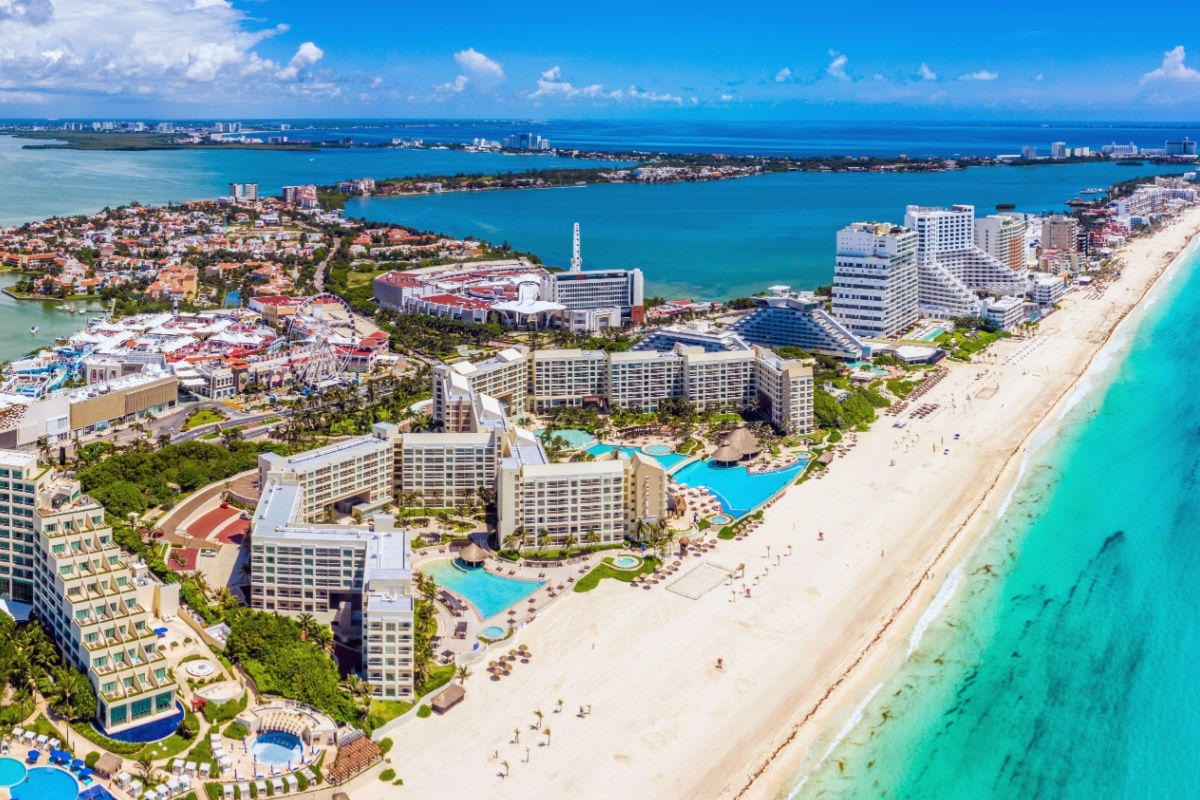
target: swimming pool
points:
(575, 438)
(149, 732)
(936, 332)
(492, 632)
(720, 519)
(12, 771)
(490, 594)
(866, 366)
(668, 459)
(277, 748)
(658, 449)
(46, 783)
(737, 489)
(626, 562)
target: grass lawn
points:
(384, 710)
(606, 570)
(202, 417)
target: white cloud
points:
(1173, 67)
(1039, 77)
(23, 98)
(454, 86)
(925, 73)
(784, 75)
(306, 55)
(726, 97)
(837, 67)
(483, 69)
(552, 85)
(182, 50)
(979, 75)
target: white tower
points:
(576, 258)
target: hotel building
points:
(797, 319)
(875, 279)
(58, 556)
(952, 272)
(637, 379)
(1002, 236)
(356, 577)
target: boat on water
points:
(66, 307)
(33, 330)
(1091, 190)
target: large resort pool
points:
(277, 748)
(46, 783)
(668, 459)
(12, 771)
(737, 489)
(490, 594)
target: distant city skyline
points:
(303, 59)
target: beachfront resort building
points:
(875, 279)
(1002, 236)
(1060, 232)
(954, 275)
(636, 379)
(783, 318)
(59, 561)
(355, 576)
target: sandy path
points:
(665, 722)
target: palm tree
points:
(505, 765)
(145, 765)
(547, 735)
(307, 623)
(462, 673)
(538, 714)
(323, 638)
(560, 705)
(516, 734)
(200, 582)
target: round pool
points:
(277, 748)
(46, 783)
(720, 519)
(658, 449)
(626, 562)
(492, 632)
(200, 669)
(12, 771)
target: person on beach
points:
(820, 536)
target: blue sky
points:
(753, 60)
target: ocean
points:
(1059, 660)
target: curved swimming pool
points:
(12, 771)
(626, 562)
(46, 783)
(736, 488)
(276, 748)
(147, 732)
(492, 632)
(488, 593)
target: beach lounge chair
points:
(310, 775)
(244, 789)
(53, 744)
(19, 732)
(260, 787)
(42, 739)
(293, 785)
(227, 791)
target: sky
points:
(191, 59)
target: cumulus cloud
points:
(478, 66)
(186, 50)
(925, 73)
(306, 55)
(31, 12)
(454, 86)
(1173, 68)
(551, 84)
(837, 67)
(979, 75)
(784, 75)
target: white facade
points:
(875, 279)
(952, 271)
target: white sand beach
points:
(819, 626)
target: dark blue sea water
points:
(1064, 665)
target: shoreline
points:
(824, 617)
(1004, 482)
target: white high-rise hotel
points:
(952, 272)
(875, 279)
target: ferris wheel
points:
(320, 335)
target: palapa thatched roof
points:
(473, 554)
(727, 454)
(744, 441)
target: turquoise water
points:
(575, 439)
(728, 238)
(933, 334)
(658, 449)
(626, 562)
(11, 771)
(490, 594)
(20, 315)
(737, 489)
(866, 366)
(492, 632)
(668, 460)
(277, 748)
(46, 783)
(1064, 666)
